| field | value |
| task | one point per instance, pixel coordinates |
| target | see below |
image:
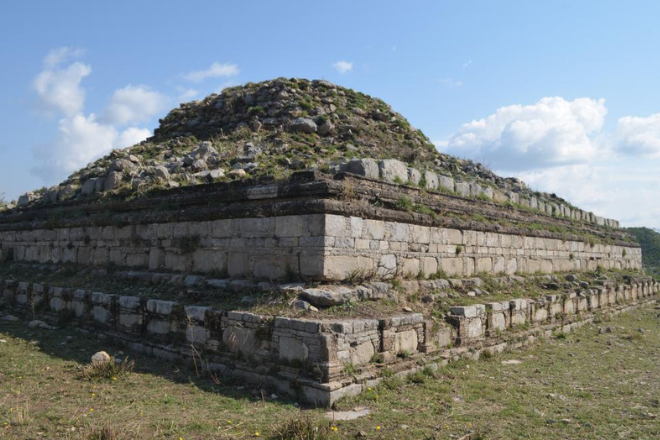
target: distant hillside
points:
(649, 239)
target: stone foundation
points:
(315, 228)
(320, 360)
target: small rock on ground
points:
(100, 358)
(354, 414)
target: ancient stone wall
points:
(389, 248)
(313, 227)
(319, 360)
(266, 248)
(318, 246)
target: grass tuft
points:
(302, 428)
(108, 370)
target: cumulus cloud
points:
(134, 104)
(58, 88)
(343, 66)
(215, 71)
(551, 132)
(60, 55)
(638, 136)
(616, 189)
(131, 136)
(559, 146)
(81, 138)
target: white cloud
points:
(622, 190)
(450, 82)
(83, 138)
(216, 70)
(79, 140)
(61, 54)
(466, 64)
(134, 104)
(559, 146)
(551, 132)
(58, 88)
(343, 66)
(131, 136)
(637, 136)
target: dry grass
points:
(303, 428)
(586, 386)
(108, 370)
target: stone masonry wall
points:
(267, 248)
(388, 249)
(315, 246)
(310, 358)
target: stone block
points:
(130, 320)
(336, 225)
(429, 265)
(273, 267)
(159, 327)
(431, 180)
(238, 265)
(496, 322)
(362, 167)
(472, 311)
(160, 307)
(129, 302)
(462, 189)
(205, 260)
(392, 170)
(289, 226)
(410, 267)
(471, 328)
(446, 182)
(255, 227)
(293, 349)
(452, 266)
(312, 264)
(373, 230)
(406, 342)
(101, 315)
(414, 176)
(362, 353)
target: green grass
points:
(606, 386)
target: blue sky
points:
(563, 94)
